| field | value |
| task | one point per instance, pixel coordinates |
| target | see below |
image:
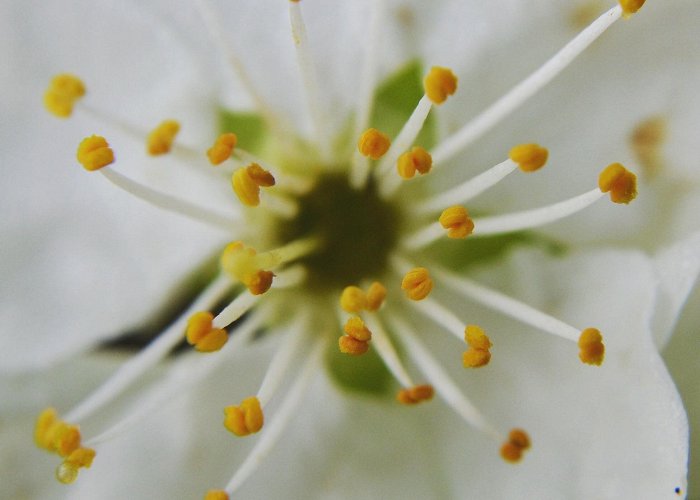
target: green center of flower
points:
(358, 230)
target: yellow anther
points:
(44, 422)
(415, 160)
(630, 7)
(356, 328)
(417, 283)
(376, 294)
(440, 83)
(457, 222)
(373, 143)
(161, 138)
(259, 282)
(64, 438)
(216, 495)
(620, 182)
(82, 457)
(67, 471)
(352, 346)
(245, 419)
(243, 264)
(512, 450)
(478, 354)
(94, 153)
(63, 92)
(647, 140)
(202, 334)
(222, 148)
(591, 347)
(353, 299)
(529, 157)
(246, 183)
(415, 395)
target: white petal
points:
(677, 268)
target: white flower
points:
(594, 435)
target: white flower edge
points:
(615, 431)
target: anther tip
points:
(529, 157)
(439, 84)
(619, 182)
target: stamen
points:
(620, 182)
(222, 148)
(246, 183)
(355, 342)
(518, 442)
(94, 153)
(373, 143)
(509, 306)
(479, 353)
(417, 283)
(63, 92)
(630, 7)
(524, 90)
(247, 266)
(528, 219)
(415, 395)
(245, 419)
(529, 157)
(216, 495)
(160, 140)
(201, 334)
(457, 222)
(283, 416)
(310, 79)
(415, 160)
(376, 294)
(442, 383)
(132, 369)
(440, 83)
(169, 202)
(368, 74)
(353, 299)
(67, 472)
(591, 347)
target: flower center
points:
(357, 228)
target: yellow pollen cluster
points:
(63, 92)
(94, 153)
(222, 148)
(512, 450)
(478, 354)
(630, 7)
(457, 222)
(415, 160)
(417, 283)
(245, 419)
(620, 182)
(216, 495)
(202, 334)
(354, 299)
(241, 263)
(246, 183)
(373, 143)
(439, 83)
(160, 140)
(356, 339)
(591, 347)
(529, 157)
(54, 435)
(415, 395)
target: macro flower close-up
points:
(374, 249)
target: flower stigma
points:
(330, 250)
